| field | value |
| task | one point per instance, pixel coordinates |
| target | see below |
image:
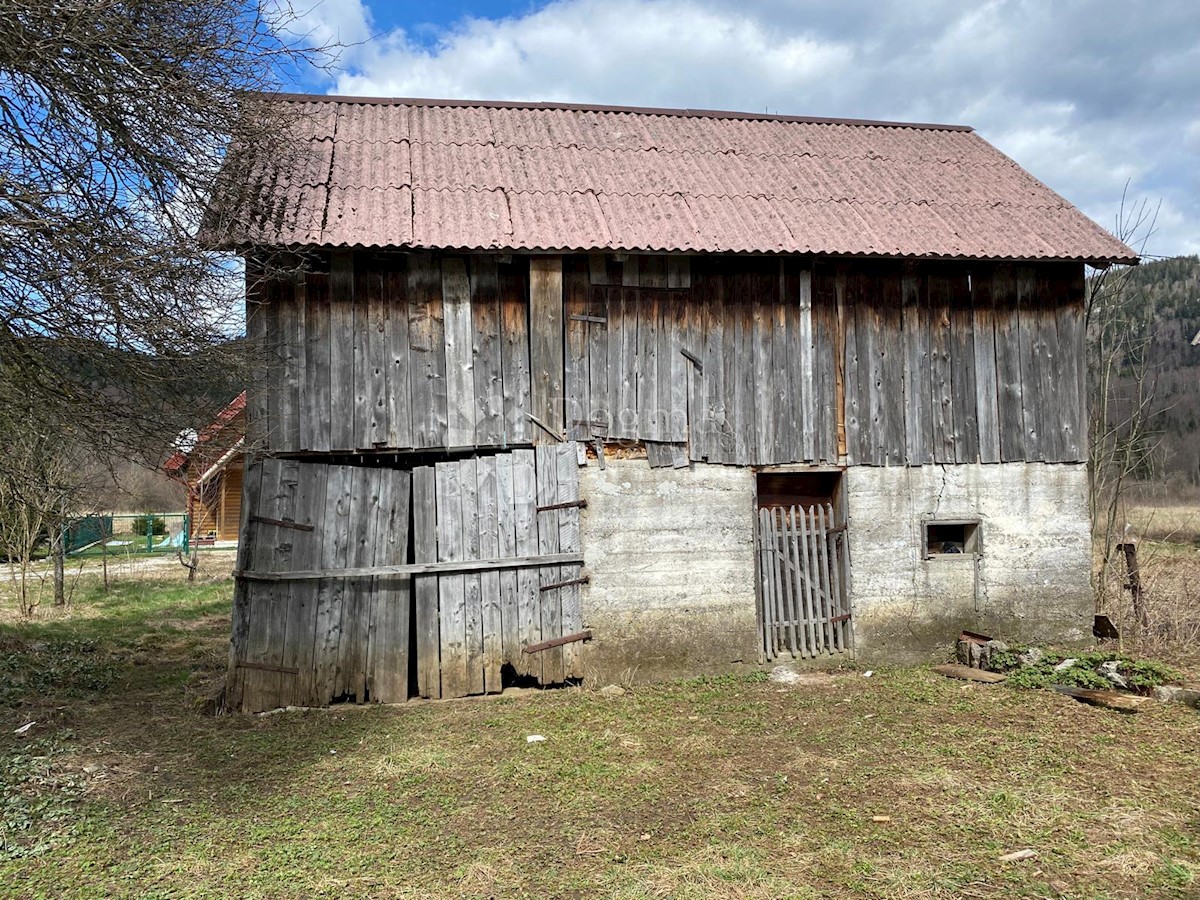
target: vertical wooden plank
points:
(506, 545)
(597, 269)
(356, 607)
(548, 542)
(459, 344)
(1032, 354)
(452, 614)
(743, 383)
(568, 542)
(653, 271)
(315, 404)
(334, 553)
(816, 537)
(525, 527)
(1071, 366)
(302, 596)
(807, 390)
(514, 352)
(371, 384)
(468, 479)
(800, 545)
(280, 486)
(676, 374)
(872, 404)
(962, 361)
(831, 604)
(855, 416)
(489, 548)
(918, 388)
(841, 360)
(646, 371)
(827, 353)
(679, 271)
(289, 320)
(1008, 364)
(941, 366)
(597, 352)
(707, 403)
(427, 351)
(341, 350)
(1053, 391)
(546, 344)
(769, 390)
(577, 375)
(398, 412)
(425, 587)
(763, 586)
(986, 402)
(242, 685)
(486, 352)
(258, 299)
(392, 597)
(788, 613)
(840, 604)
(891, 366)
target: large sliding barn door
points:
(495, 582)
(804, 570)
(304, 642)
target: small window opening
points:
(803, 489)
(951, 539)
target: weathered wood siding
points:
(734, 360)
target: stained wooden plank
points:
(740, 386)
(308, 509)
(388, 654)
(398, 412)
(371, 333)
(472, 581)
(356, 608)
(962, 361)
(675, 376)
(840, 606)
(290, 323)
(987, 407)
(802, 443)
(506, 545)
(708, 422)
(809, 603)
(280, 487)
(460, 361)
(577, 380)
(872, 402)
(570, 596)
(548, 542)
(315, 403)
(341, 350)
(514, 353)
(334, 554)
(658, 454)
(653, 271)
(816, 537)
(486, 352)
(546, 343)
(765, 587)
(597, 269)
(646, 371)
(1030, 339)
(451, 588)
(679, 271)
(525, 527)
(1008, 364)
(918, 387)
(788, 611)
(425, 588)
(1053, 390)
(891, 367)
(488, 530)
(242, 687)
(941, 366)
(852, 287)
(826, 354)
(831, 605)
(258, 299)
(1071, 369)
(427, 347)
(770, 391)
(597, 410)
(623, 362)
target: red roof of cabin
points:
(566, 177)
(178, 460)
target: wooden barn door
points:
(306, 641)
(515, 509)
(804, 571)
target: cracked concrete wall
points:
(1031, 583)
(670, 555)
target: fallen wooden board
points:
(966, 673)
(1107, 699)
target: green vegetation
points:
(156, 525)
(713, 787)
(1141, 676)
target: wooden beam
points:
(585, 635)
(442, 568)
(546, 344)
(286, 670)
(281, 523)
(570, 582)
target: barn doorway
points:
(803, 564)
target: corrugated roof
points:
(508, 176)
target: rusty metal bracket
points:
(585, 635)
(566, 504)
(281, 523)
(583, 579)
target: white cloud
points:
(1085, 105)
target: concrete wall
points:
(1033, 579)
(670, 553)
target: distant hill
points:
(1169, 292)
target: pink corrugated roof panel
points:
(503, 176)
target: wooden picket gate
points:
(328, 584)
(804, 574)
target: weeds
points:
(40, 799)
(1140, 675)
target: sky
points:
(1090, 96)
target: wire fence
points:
(128, 535)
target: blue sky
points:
(1088, 95)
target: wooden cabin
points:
(559, 392)
(211, 468)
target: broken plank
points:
(966, 673)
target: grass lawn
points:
(724, 787)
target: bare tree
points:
(1122, 388)
(117, 321)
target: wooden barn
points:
(567, 392)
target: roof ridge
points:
(630, 110)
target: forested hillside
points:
(1167, 294)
